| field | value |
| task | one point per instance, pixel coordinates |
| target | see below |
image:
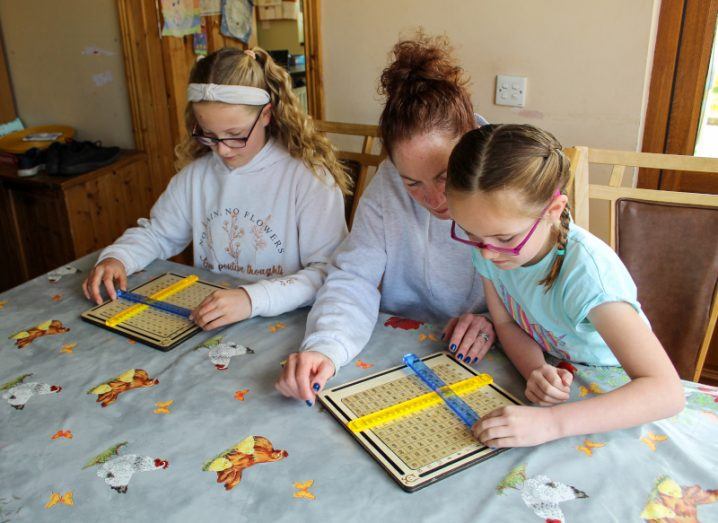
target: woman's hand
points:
(516, 426)
(222, 308)
(470, 337)
(305, 374)
(109, 271)
(548, 385)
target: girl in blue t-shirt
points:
(551, 287)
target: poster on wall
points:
(181, 17)
(209, 7)
(277, 9)
(237, 19)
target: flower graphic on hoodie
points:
(234, 235)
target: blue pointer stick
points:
(157, 304)
(435, 383)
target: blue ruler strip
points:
(435, 383)
(157, 304)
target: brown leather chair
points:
(671, 251)
(669, 243)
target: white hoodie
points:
(272, 223)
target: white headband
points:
(231, 94)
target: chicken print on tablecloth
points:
(17, 393)
(671, 502)
(540, 493)
(230, 464)
(57, 274)
(47, 328)
(118, 471)
(108, 391)
(221, 352)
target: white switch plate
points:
(510, 90)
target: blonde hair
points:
(289, 125)
(521, 158)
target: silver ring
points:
(484, 336)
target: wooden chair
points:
(667, 240)
(358, 163)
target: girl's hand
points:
(222, 308)
(109, 271)
(516, 426)
(548, 385)
(304, 374)
(470, 336)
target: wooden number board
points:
(153, 327)
(428, 445)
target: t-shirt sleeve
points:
(599, 278)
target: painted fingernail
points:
(316, 387)
(309, 403)
(475, 360)
(453, 347)
(460, 357)
(443, 335)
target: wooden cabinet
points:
(47, 221)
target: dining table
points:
(96, 427)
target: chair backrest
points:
(358, 163)
(669, 243)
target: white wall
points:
(51, 77)
(587, 62)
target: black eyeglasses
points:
(234, 143)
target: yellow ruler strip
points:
(159, 295)
(414, 405)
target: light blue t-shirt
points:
(591, 274)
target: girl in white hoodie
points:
(259, 195)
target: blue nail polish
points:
(475, 360)
(309, 403)
(316, 387)
(460, 357)
(453, 347)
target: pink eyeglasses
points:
(514, 251)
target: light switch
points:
(510, 90)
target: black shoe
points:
(30, 163)
(82, 157)
(52, 158)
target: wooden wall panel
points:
(149, 95)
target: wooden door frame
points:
(7, 100)
(684, 42)
(313, 56)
